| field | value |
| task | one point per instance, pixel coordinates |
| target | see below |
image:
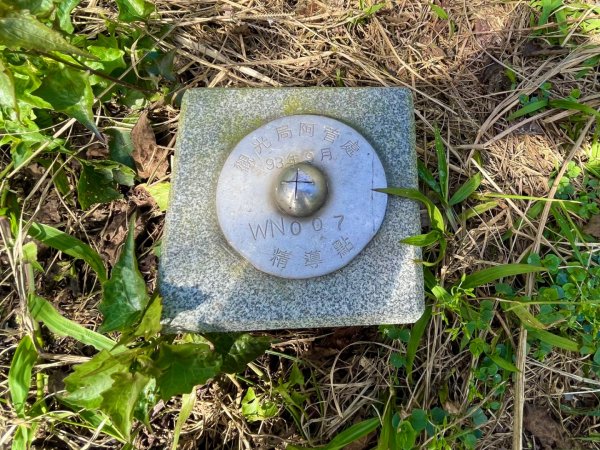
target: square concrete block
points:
(208, 286)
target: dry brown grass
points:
(457, 76)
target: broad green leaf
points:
(23, 31)
(160, 193)
(130, 10)
(184, 366)
(554, 339)
(19, 374)
(435, 216)
(30, 255)
(36, 7)
(348, 436)
(91, 379)
(407, 436)
(145, 402)
(23, 436)
(69, 245)
(43, 311)
(99, 181)
(245, 349)
(423, 240)
(465, 190)
(494, 273)
(124, 295)
(528, 109)
(256, 408)
(150, 324)
(416, 333)
(119, 401)
(440, 150)
(120, 146)
(8, 96)
(574, 106)
(187, 405)
(69, 91)
(63, 14)
(527, 319)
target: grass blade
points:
(526, 317)
(416, 333)
(426, 176)
(528, 109)
(435, 216)
(423, 240)
(574, 106)
(490, 274)
(502, 363)
(348, 436)
(466, 190)
(187, 404)
(440, 150)
(19, 375)
(554, 339)
(69, 245)
(477, 210)
(43, 311)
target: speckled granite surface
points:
(207, 286)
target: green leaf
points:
(69, 245)
(245, 349)
(466, 190)
(184, 366)
(440, 150)
(255, 408)
(187, 405)
(423, 240)
(407, 436)
(348, 436)
(63, 14)
(120, 146)
(23, 31)
(69, 91)
(19, 374)
(527, 319)
(160, 193)
(119, 401)
(477, 210)
(416, 333)
(99, 181)
(494, 273)
(554, 340)
(426, 176)
(150, 324)
(574, 106)
(8, 96)
(43, 311)
(91, 379)
(528, 109)
(503, 363)
(30, 255)
(435, 216)
(439, 11)
(130, 10)
(125, 296)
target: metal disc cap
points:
(296, 196)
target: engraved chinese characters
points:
(266, 175)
